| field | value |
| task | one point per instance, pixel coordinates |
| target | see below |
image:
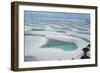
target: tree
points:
(85, 50)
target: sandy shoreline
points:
(34, 49)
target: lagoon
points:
(67, 46)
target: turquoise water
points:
(60, 45)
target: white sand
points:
(33, 43)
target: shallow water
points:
(60, 45)
(44, 29)
(55, 39)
